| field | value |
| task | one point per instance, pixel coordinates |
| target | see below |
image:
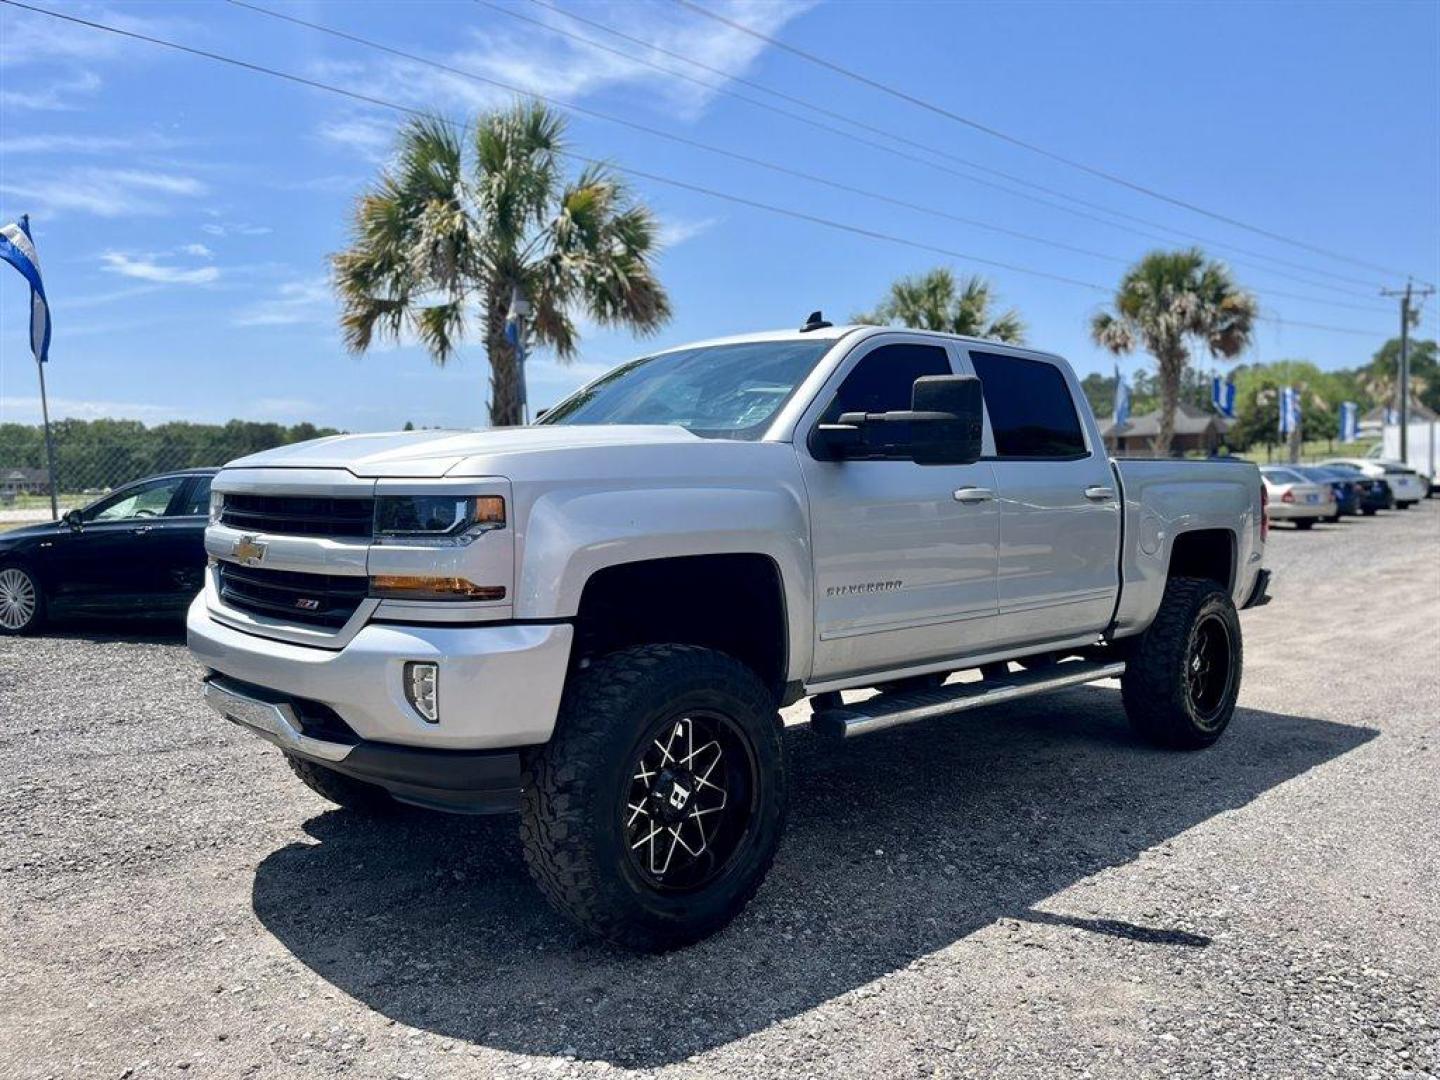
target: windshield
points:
(715, 391)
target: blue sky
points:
(184, 210)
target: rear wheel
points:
(1183, 676)
(22, 601)
(340, 789)
(654, 812)
(1369, 511)
(1304, 523)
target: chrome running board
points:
(891, 710)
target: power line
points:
(682, 139)
(722, 151)
(928, 148)
(810, 123)
(996, 133)
(741, 200)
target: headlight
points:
(217, 506)
(440, 520)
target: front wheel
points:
(22, 601)
(654, 812)
(340, 789)
(1369, 511)
(1304, 523)
(1183, 677)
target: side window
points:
(1031, 412)
(884, 381)
(197, 500)
(141, 501)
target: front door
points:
(904, 554)
(110, 563)
(1059, 503)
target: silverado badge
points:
(249, 551)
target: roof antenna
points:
(816, 321)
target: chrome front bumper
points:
(500, 685)
(274, 721)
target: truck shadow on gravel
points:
(899, 844)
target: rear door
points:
(176, 544)
(904, 554)
(1058, 566)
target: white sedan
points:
(1405, 482)
(1291, 497)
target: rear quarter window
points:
(1031, 412)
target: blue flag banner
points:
(1289, 410)
(1122, 400)
(1222, 396)
(18, 249)
(1349, 421)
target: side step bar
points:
(891, 710)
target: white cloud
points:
(235, 228)
(106, 192)
(371, 139)
(200, 251)
(521, 58)
(675, 231)
(146, 268)
(101, 299)
(85, 144)
(30, 38)
(22, 410)
(306, 301)
(51, 97)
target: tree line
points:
(92, 455)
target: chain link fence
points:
(93, 457)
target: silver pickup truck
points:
(595, 619)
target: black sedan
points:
(140, 550)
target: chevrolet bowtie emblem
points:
(249, 551)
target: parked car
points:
(1296, 498)
(1404, 481)
(138, 551)
(1347, 494)
(595, 619)
(1372, 493)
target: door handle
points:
(141, 530)
(1099, 493)
(973, 495)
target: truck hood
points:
(438, 453)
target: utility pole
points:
(1407, 298)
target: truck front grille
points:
(299, 515)
(316, 599)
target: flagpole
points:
(49, 442)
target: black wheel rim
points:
(1209, 668)
(690, 802)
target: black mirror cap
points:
(73, 518)
(951, 432)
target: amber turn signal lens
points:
(489, 510)
(416, 587)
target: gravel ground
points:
(1018, 893)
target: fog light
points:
(422, 689)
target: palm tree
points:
(933, 301)
(1164, 301)
(460, 222)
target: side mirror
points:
(74, 518)
(942, 427)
